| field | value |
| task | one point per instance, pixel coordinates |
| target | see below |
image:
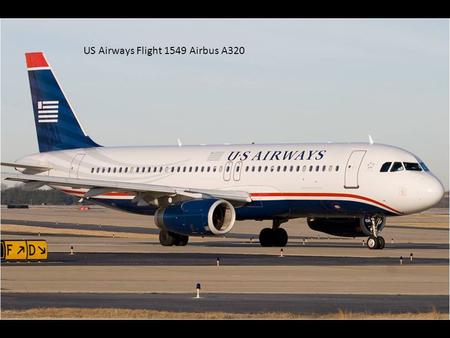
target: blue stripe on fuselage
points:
(270, 209)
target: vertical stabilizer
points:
(57, 126)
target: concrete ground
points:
(118, 254)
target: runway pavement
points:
(118, 262)
(235, 303)
(225, 259)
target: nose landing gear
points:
(375, 241)
(274, 236)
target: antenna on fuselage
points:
(370, 139)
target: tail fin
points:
(57, 126)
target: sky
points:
(299, 80)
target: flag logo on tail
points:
(48, 111)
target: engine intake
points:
(197, 217)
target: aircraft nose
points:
(432, 191)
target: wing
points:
(142, 190)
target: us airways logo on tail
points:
(48, 111)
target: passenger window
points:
(272, 168)
(120, 169)
(126, 169)
(184, 169)
(324, 168)
(203, 168)
(317, 167)
(304, 168)
(259, 169)
(278, 168)
(137, 169)
(190, 169)
(298, 168)
(246, 168)
(412, 166)
(103, 170)
(253, 168)
(114, 169)
(310, 168)
(337, 168)
(154, 169)
(385, 167)
(160, 169)
(149, 169)
(97, 171)
(215, 168)
(265, 168)
(397, 166)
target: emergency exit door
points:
(73, 172)
(352, 169)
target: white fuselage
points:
(338, 172)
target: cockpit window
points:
(424, 167)
(397, 166)
(412, 166)
(385, 167)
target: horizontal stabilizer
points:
(32, 167)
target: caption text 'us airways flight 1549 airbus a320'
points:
(343, 189)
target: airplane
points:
(342, 189)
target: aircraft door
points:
(227, 171)
(75, 165)
(237, 171)
(352, 169)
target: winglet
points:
(370, 139)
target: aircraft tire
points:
(166, 238)
(381, 242)
(181, 240)
(280, 237)
(266, 237)
(372, 243)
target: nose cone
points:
(431, 192)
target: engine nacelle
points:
(197, 217)
(343, 227)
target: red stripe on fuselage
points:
(319, 194)
(120, 194)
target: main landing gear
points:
(274, 236)
(376, 224)
(168, 238)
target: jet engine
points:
(343, 227)
(203, 217)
